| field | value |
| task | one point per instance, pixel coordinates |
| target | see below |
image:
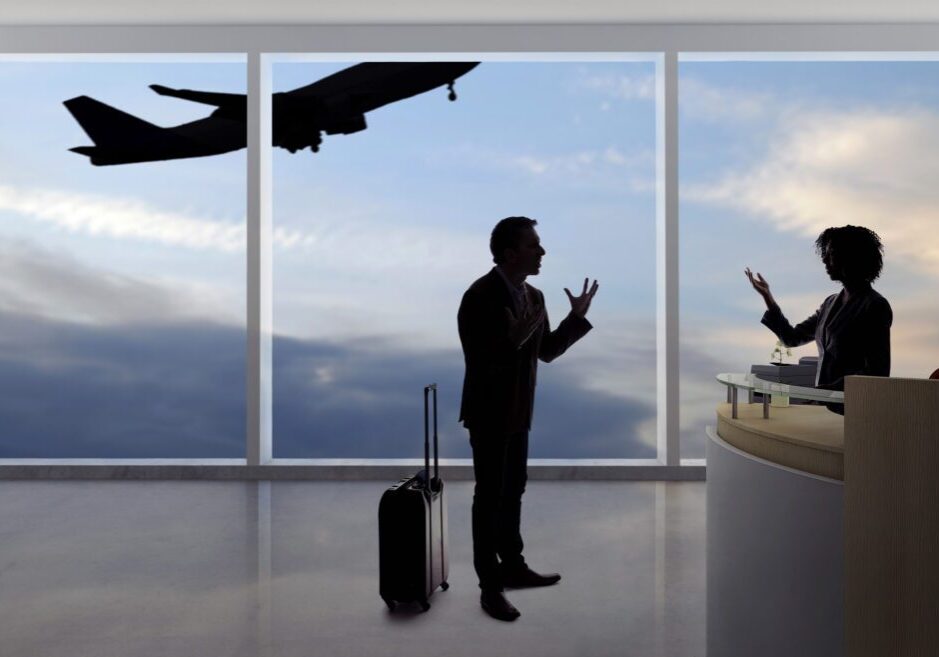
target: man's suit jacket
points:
(852, 337)
(499, 386)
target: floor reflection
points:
(291, 568)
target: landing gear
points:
(444, 586)
(424, 605)
(296, 140)
(452, 94)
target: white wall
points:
(177, 12)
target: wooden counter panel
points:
(806, 438)
(891, 506)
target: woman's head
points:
(852, 254)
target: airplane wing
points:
(342, 81)
(379, 83)
(337, 104)
(204, 97)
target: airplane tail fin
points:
(106, 125)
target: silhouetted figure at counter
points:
(504, 330)
(851, 328)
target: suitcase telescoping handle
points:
(430, 484)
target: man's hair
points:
(506, 235)
(859, 251)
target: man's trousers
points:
(500, 464)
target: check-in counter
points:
(821, 526)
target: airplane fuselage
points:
(336, 104)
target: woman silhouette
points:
(851, 328)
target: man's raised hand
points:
(580, 305)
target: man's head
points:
(515, 245)
(852, 254)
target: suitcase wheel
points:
(444, 586)
(424, 605)
(391, 604)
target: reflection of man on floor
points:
(504, 330)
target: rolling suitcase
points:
(412, 531)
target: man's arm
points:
(554, 343)
(571, 329)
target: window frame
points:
(668, 42)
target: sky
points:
(125, 285)
(122, 296)
(771, 154)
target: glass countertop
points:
(751, 382)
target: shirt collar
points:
(513, 288)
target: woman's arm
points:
(791, 336)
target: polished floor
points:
(180, 568)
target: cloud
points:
(383, 243)
(620, 87)
(707, 350)
(914, 336)
(78, 391)
(368, 403)
(609, 167)
(121, 218)
(574, 163)
(43, 283)
(373, 243)
(701, 101)
(867, 167)
(178, 391)
(700, 394)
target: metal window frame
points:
(670, 42)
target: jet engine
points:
(346, 125)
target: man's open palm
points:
(580, 305)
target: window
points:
(774, 152)
(122, 291)
(377, 236)
(45, 332)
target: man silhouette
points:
(504, 330)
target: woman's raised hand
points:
(761, 286)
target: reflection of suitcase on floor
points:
(412, 531)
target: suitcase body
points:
(412, 532)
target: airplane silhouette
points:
(333, 105)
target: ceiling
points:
(181, 12)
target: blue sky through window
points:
(122, 295)
(391, 225)
(124, 287)
(772, 153)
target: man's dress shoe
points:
(525, 577)
(495, 604)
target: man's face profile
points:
(526, 257)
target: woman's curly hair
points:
(858, 251)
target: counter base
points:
(775, 558)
